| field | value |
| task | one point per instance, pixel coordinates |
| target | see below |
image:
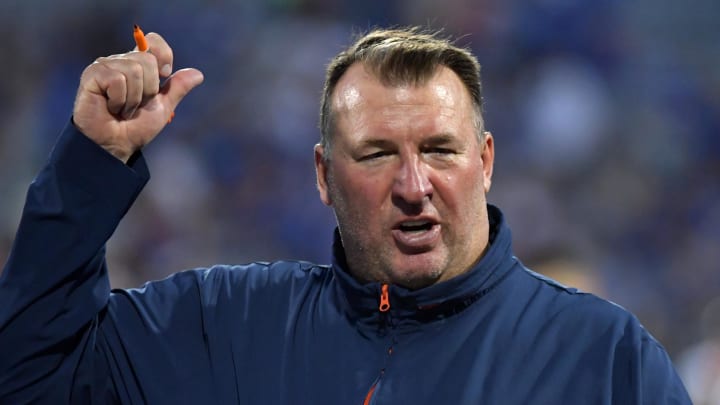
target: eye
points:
(439, 151)
(375, 155)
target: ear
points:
(321, 172)
(488, 158)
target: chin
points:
(416, 282)
(414, 278)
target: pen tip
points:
(136, 26)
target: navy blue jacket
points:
(292, 332)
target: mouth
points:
(417, 235)
(416, 226)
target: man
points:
(424, 302)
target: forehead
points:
(361, 99)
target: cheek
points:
(463, 191)
(356, 194)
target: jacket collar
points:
(437, 301)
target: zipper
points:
(384, 299)
(370, 393)
(384, 307)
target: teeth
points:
(414, 223)
(415, 226)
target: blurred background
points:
(606, 117)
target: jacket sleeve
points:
(54, 286)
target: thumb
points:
(179, 84)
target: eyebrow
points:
(439, 139)
(377, 143)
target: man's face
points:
(407, 178)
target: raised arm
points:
(54, 286)
(120, 104)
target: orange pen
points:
(140, 40)
(142, 46)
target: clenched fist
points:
(120, 104)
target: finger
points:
(162, 51)
(109, 83)
(133, 74)
(150, 76)
(116, 92)
(179, 85)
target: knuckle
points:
(154, 36)
(135, 71)
(115, 78)
(146, 57)
(88, 71)
(95, 67)
(147, 61)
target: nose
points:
(412, 184)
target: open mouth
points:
(415, 226)
(417, 235)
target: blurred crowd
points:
(606, 117)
